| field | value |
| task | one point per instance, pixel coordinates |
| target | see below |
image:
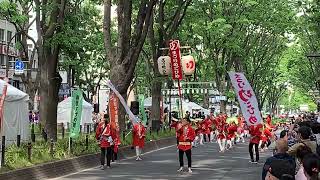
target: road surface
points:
(208, 163)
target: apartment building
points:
(11, 54)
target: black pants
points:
(205, 137)
(188, 154)
(256, 150)
(103, 155)
(114, 155)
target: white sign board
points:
(246, 97)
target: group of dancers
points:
(212, 129)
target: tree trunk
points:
(50, 82)
(155, 109)
(222, 90)
(206, 100)
(117, 75)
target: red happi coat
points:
(138, 133)
(222, 128)
(215, 122)
(199, 130)
(206, 126)
(186, 135)
(266, 135)
(231, 130)
(255, 133)
(102, 133)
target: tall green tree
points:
(133, 21)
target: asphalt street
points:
(208, 163)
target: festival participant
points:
(255, 132)
(265, 141)
(214, 123)
(208, 127)
(186, 135)
(222, 135)
(116, 143)
(198, 132)
(138, 133)
(240, 129)
(231, 130)
(105, 139)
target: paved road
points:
(208, 163)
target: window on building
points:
(9, 36)
(1, 35)
(2, 60)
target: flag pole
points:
(180, 98)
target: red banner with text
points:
(175, 56)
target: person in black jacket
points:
(281, 154)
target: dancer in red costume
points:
(138, 133)
(255, 132)
(231, 130)
(240, 129)
(198, 132)
(222, 135)
(186, 135)
(207, 127)
(265, 140)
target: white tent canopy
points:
(64, 112)
(16, 119)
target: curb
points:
(64, 167)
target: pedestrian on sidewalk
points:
(105, 139)
(255, 132)
(139, 134)
(186, 135)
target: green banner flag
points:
(142, 110)
(76, 113)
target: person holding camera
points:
(105, 140)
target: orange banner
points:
(114, 111)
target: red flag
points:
(175, 56)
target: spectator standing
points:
(304, 134)
(281, 154)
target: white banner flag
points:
(246, 97)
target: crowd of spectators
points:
(296, 151)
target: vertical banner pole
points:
(180, 98)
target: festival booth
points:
(64, 112)
(15, 115)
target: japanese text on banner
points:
(76, 112)
(246, 97)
